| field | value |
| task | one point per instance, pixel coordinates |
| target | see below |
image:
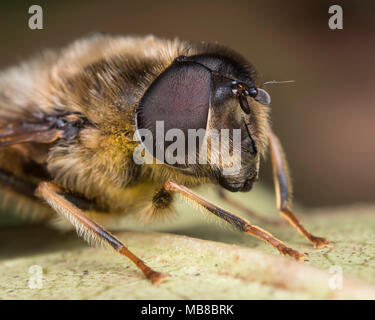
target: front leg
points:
(236, 221)
(250, 213)
(283, 191)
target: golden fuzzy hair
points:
(100, 79)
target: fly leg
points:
(236, 221)
(251, 213)
(89, 230)
(283, 190)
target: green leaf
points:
(204, 260)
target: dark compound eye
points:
(179, 99)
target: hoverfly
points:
(68, 120)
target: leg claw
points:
(156, 277)
(292, 253)
(321, 242)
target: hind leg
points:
(89, 229)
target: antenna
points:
(278, 82)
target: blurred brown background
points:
(325, 120)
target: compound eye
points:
(179, 98)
